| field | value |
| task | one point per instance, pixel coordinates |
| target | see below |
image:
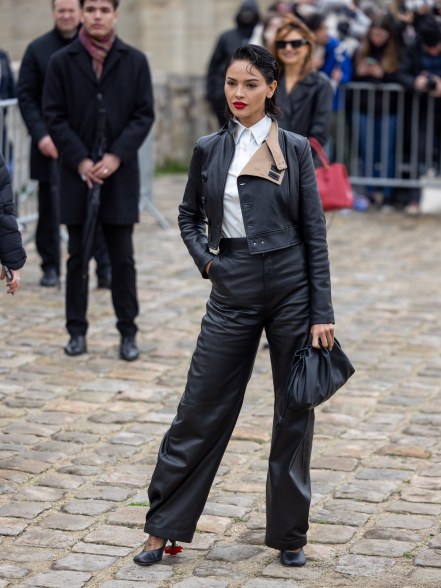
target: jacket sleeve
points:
(68, 143)
(12, 253)
(29, 91)
(313, 225)
(192, 219)
(322, 117)
(141, 120)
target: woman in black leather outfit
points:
(266, 256)
(12, 254)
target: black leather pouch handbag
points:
(316, 375)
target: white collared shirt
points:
(247, 143)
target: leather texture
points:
(128, 349)
(274, 214)
(316, 375)
(250, 293)
(76, 345)
(148, 558)
(292, 558)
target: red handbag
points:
(332, 181)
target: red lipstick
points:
(239, 105)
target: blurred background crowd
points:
(366, 83)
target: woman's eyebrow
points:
(249, 80)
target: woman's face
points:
(246, 91)
(292, 55)
(378, 36)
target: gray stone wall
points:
(182, 115)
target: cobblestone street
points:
(79, 436)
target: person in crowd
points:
(304, 94)
(7, 82)
(98, 67)
(254, 184)
(421, 72)
(44, 154)
(248, 16)
(332, 58)
(347, 22)
(265, 32)
(12, 253)
(376, 62)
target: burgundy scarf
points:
(98, 50)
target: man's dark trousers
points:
(120, 249)
(47, 237)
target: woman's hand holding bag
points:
(316, 375)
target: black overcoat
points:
(30, 96)
(70, 108)
(12, 253)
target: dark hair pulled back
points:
(261, 59)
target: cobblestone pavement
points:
(79, 436)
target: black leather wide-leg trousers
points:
(250, 293)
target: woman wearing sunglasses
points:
(305, 95)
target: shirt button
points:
(262, 242)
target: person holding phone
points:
(12, 253)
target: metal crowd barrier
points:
(407, 143)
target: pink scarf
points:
(98, 50)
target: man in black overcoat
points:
(66, 16)
(98, 66)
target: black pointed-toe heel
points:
(148, 558)
(292, 558)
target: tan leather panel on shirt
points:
(268, 162)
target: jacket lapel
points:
(268, 162)
(112, 59)
(82, 60)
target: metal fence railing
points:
(387, 136)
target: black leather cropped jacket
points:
(279, 200)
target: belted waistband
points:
(235, 244)
(263, 243)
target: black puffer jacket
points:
(12, 253)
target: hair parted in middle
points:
(261, 59)
(291, 23)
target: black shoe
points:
(292, 558)
(128, 349)
(105, 280)
(76, 345)
(49, 279)
(147, 558)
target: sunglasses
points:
(296, 44)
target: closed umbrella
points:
(94, 194)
